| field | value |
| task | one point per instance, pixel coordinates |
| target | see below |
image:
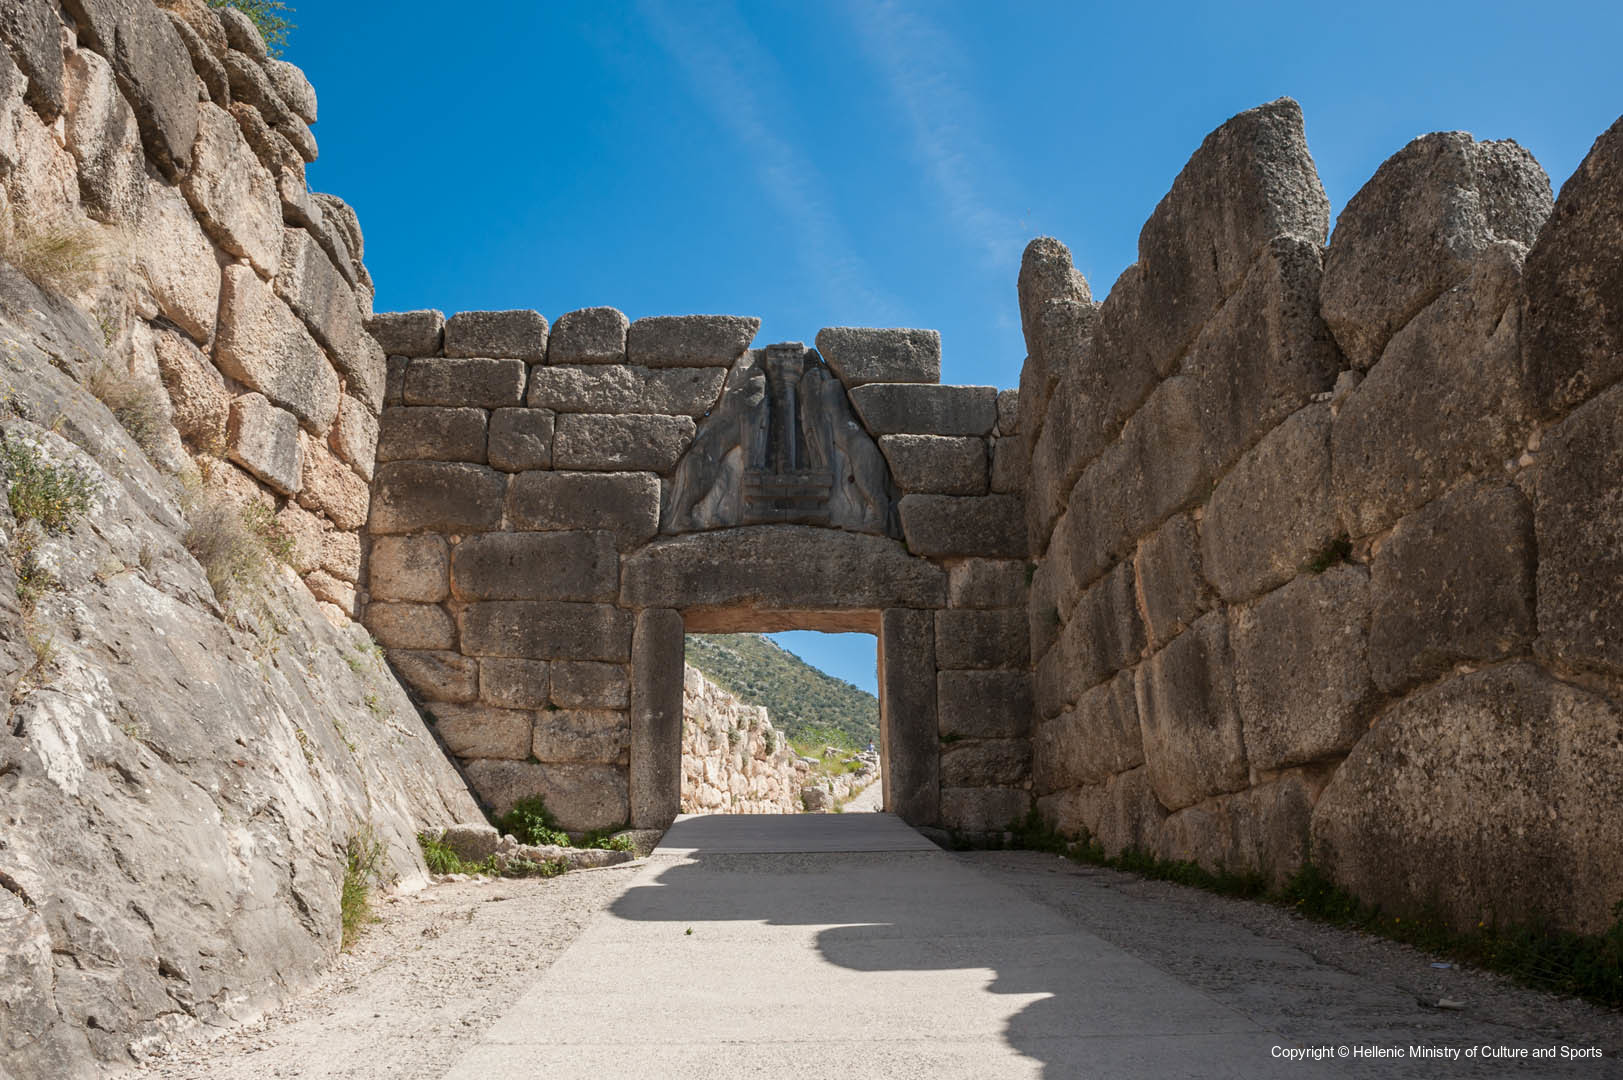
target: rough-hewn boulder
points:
(859, 355)
(1193, 746)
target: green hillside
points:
(806, 704)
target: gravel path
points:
(420, 986)
(870, 800)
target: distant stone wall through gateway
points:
(555, 506)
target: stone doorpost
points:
(907, 724)
(656, 718)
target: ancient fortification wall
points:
(553, 505)
(733, 760)
(185, 755)
(1327, 536)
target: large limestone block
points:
(622, 388)
(1447, 401)
(859, 355)
(1416, 228)
(908, 723)
(1105, 628)
(234, 195)
(411, 626)
(926, 409)
(1572, 335)
(542, 629)
(1008, 412)
(198, 399)
(1155, 469)
(1251, 180)
(103, 138)
(1421, 816)
(32, 33)
(243, 34)
(479, 731)
(689, 340)
(341, 555)
(354, 436)
(986, 763)
(293, 88)
(521, 439)
(1193, 745)
(970, 639)
(626, 504)
(520, 335)
(318, 294)
(408, 333)
(1172, 590)
(415, 568)
(1301, 677)
(595, 335)
(989, 526)
(1265, 354)
(1046, 274)
(1578, 515)
(656, 719)
(988, 583)
(176, 262)
(514, 683)
(1130, 814)
(983, 704)
(1452, 584)
(332, 487)
(620, 443)
(581, 797)
(431, 433)
(585, 684)
(477, 383)
(262, 344)
(204, 60)
(1272, 514)
(437, 675)
(154, 72)
(1090, 742)
(983, 809)
(439, 496)
(936, 464)
(536, 566)
(581, 735)
(780, 568)
(265, 440)
(1074, 812)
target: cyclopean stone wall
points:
(733, 760)
(554, 504)
(1327, 536)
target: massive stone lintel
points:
(779, 567)
(782, 447)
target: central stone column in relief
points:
(782, 447)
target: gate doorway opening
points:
(781, 723)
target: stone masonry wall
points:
(181, 327)
(733, 760)
(519, 579)
(1328, 560)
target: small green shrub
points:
(440, 859)
(605, 840)
(532, 823)
(269, 16)
(363, 860)
(139, 405)
(54, 495)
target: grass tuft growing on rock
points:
(441, 859)
(54, 495)
(363, 863)
(237, 544)
(60, 258)
(140, 406)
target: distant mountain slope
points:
(801, 699)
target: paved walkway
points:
(847, 946)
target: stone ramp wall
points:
(519, 577)
(1328, 535)
(733, 760)
(178, 783)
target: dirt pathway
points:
(417, 990)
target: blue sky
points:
(846, 162)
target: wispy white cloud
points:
(922, 65)
(723, 62)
